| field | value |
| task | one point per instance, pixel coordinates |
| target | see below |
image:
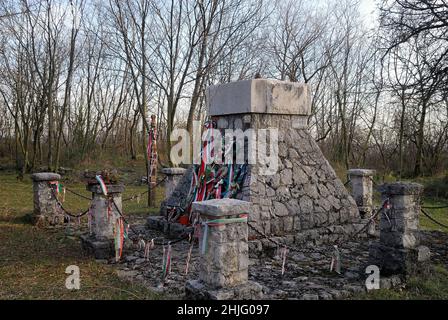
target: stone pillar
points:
(46, 209)
(362, 190)
(398, 251)
(223, 269)
(173, 176)
(100, 242)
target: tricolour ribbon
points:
(102, 184)
(118, 238)
(166, 261)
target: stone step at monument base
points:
(406, 262)
(102, 248)
(172, 230)
(308, 239)
(264, 247)
(197, 290)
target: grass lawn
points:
(33, 260)
(434, 287)
(440, 215)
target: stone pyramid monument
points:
(303, 202)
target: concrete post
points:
(224, 266)
(103, 216)
(398, 251)
(46, 209)
(362, 190)
(102, 225)
(362, 193)
(173, 176)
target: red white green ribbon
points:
(102, 184)
(118, 238)
(166, 261)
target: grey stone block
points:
(361, 172)
(259, 96)
(45, 176)
(401, 188)
(222, 207)
(424, 254)
(100, 249)
(154, 222)
(174, 171)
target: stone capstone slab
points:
(259, 96)
(221, 207)
(361, 172)
(174, 171)
(401, 188)
(45, 176)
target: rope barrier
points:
(83, 213)
(374, 182)
(145, 192)
(372, 218)
(125, 199)
(68, 213)
(65, 210)
(432, 219)
(303, 250)
(139, 235)
(77, 194)
(436, 207)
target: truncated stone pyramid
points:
(304, 202)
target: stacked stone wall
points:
(304, 202)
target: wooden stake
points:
(152, 163)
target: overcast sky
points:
(369, 11)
